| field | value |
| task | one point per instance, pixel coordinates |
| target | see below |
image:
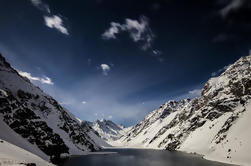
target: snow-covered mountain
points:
(108, 130)
(215, 125)
(36, 122)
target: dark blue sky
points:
(121, 59)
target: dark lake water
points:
(140, 157)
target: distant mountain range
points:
(108, 130)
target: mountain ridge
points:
(40, 119)
(212, 119)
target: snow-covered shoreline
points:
(16, 156)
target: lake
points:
(140, 157)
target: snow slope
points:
(13, 155)
(215, 125)
(12, 137)
(237, 145)
(39, 120)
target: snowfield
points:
(238, 142)
(11, 155)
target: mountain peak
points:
(108, 130)
(3, 61)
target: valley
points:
(214, 126)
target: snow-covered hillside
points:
(16, 156)
(39, 123)
(108, 130)
(216, 124)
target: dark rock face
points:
(173, 145)
(3, 61)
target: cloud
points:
(190, 94)
(46, 80)
(83, 102)
(139, 31)
(112, 31)
(234, 5)
(219, 71)
(64, 103)
(43, 80)
(110, 117)
(41, 6)
(136, 28)
(105, 68)
(51, 21)
(28, 75)
(55, 22)
(157, 52)
(195, 92)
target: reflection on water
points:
(140, 157)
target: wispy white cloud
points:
(105, 68)
(112, 31)
(137, 28)
(110, 117)
(157, 52)
(46, 80)
(36, 2)
(55, 22)
(28, 75)
(83, 102)
(65, 103)
(43, 80)
(139, 31)
(195, 92)
(190, 94)
(51, 21)
(41, 6)
(219, 71)
(233, 5)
